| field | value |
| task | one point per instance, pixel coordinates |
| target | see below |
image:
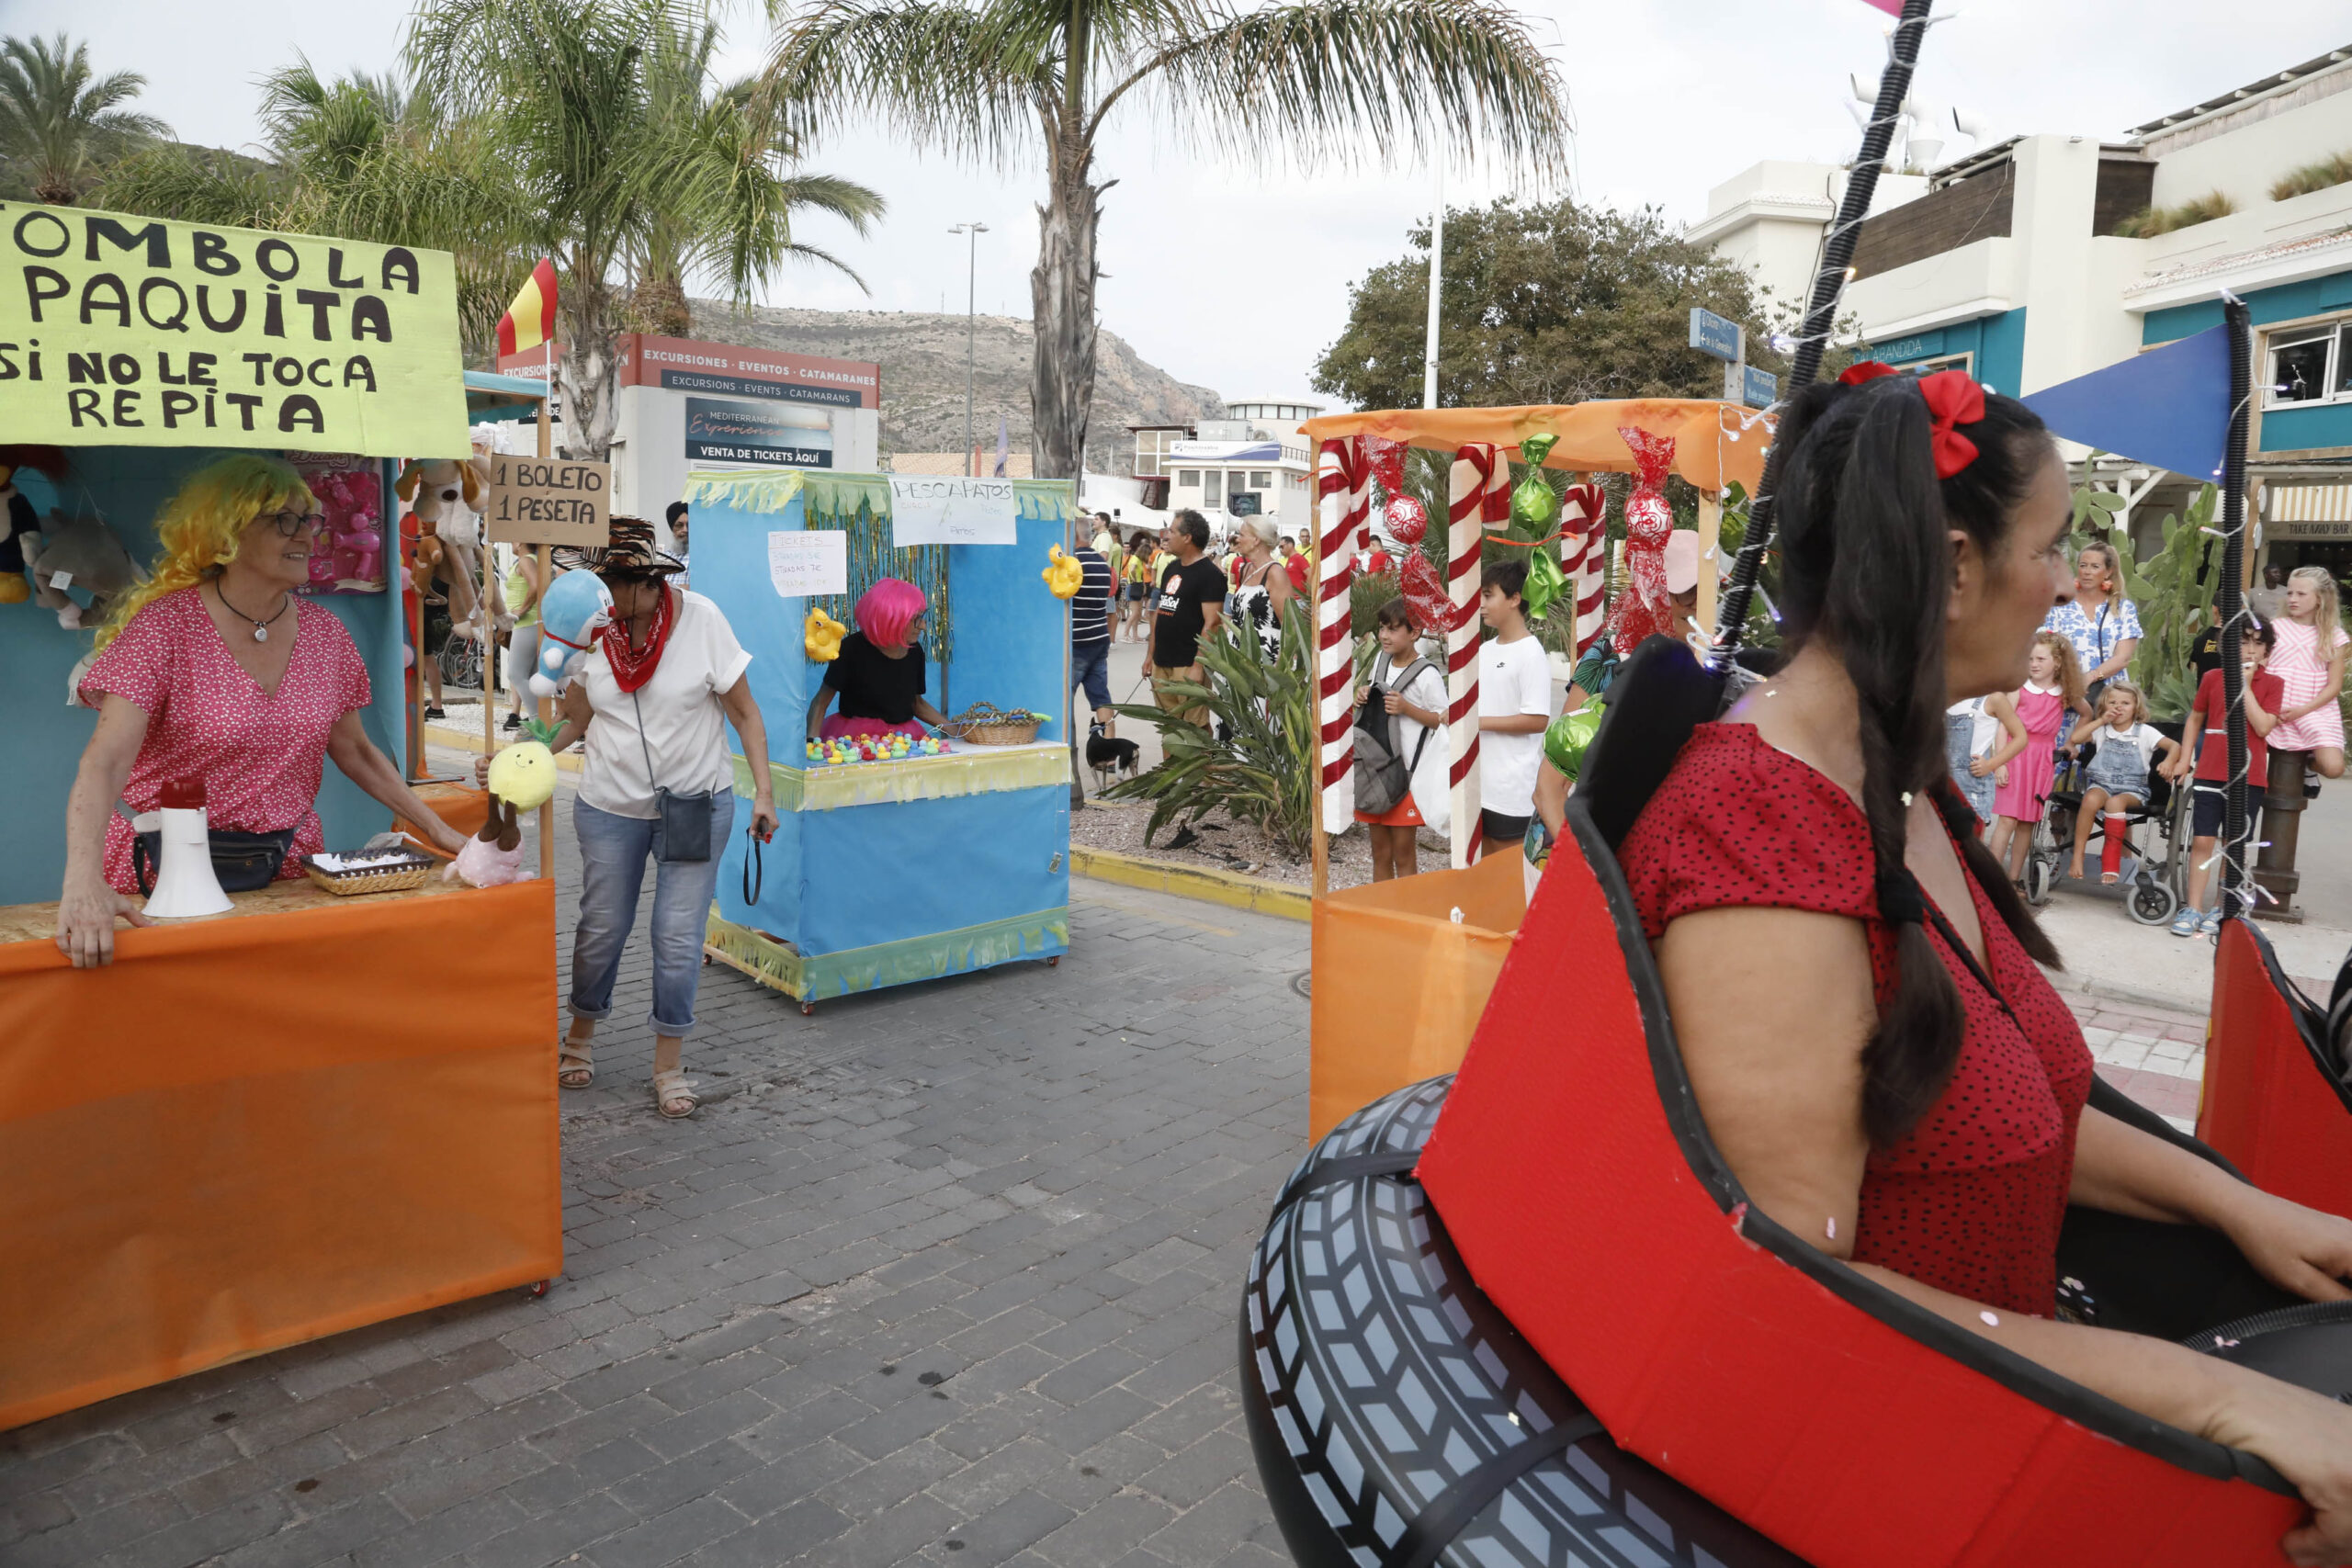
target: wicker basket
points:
(1019, 734)
(399, 879)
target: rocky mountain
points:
(922, 355)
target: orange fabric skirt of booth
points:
(259, 1129)
(1399, 984)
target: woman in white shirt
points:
(653, 698)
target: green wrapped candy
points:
(1545, 582)
(1534, 503)
(1565, 738)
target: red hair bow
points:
(1863, 371)
(1953, 398)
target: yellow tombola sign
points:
(139, 332)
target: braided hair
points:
(1866, 568)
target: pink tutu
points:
(836, 727)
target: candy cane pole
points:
(1343, 484)
(1478, 492)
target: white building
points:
(1253, 462)
(2032, 262)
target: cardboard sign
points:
(118, 331)
(548, 500)
(808, 563)
(952, 511)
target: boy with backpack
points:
(1514, 706)
(1399, 777)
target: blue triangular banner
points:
(2168, 408)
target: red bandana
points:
(633, 667)
(1952, 398)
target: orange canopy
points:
(1713, 442)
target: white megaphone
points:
(184, 884)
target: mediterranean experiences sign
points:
(769, 434)
(140, 331)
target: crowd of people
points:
(2008, 751)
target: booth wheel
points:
(2152, 903)
(1399, 1421)
(807, 1009)
(540, 1288)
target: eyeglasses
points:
(294, 524)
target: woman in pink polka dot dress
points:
(215, 669)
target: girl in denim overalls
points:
(2117, 779)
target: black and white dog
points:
(1108, 755)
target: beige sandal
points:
(574, 1066)
(674, 1088)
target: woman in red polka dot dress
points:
(215, 669)
(1852, 979)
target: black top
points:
(873, 684)
(1089, 608)
(1176, 619)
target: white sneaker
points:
(2186, 923)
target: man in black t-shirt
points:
(1191, 602)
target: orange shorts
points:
(1404, 814)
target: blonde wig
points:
(201, 528)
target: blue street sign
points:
(1762, 388)
(1715, 336)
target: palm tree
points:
(1314, 77)
(361, 157)
(588, 101)
(58, 126)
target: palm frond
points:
(1353, 79)
(941, 73)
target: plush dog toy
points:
(87, 555)
(577, 603)
(443, 495)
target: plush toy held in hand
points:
(577, 603)
(522, 778)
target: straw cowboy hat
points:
(630, 553)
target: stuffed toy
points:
(821, 636)
(443, 495)
(88, 554)
(17, 518)
(577, 603)
(1064, 574)
(522, 778)
(350, 555)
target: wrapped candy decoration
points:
(1408, 520)
(1644, 610)
(1535, 505)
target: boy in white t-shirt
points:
(1514, 705)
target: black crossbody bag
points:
(685, 818)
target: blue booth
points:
(886, 873)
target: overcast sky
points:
(1238, 277)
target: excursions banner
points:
(140, 332)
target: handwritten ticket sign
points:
(925, 510)
(548, 501)
(809, 564)
(139, 332)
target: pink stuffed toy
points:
(492, 857)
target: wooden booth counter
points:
(275, 1124)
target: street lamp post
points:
(971, 284)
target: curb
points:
(462, 740)
(1229, 888)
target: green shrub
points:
(1366, 594)
(2334, 170)
(1264, 768)
(2151, 222)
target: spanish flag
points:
(530, 321)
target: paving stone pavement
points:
(947, 1274)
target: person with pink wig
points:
(879, 675)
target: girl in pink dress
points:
(2311, 671)
(2053, 687)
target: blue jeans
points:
(1959, 732)
(613, 851)
(1090, 666)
